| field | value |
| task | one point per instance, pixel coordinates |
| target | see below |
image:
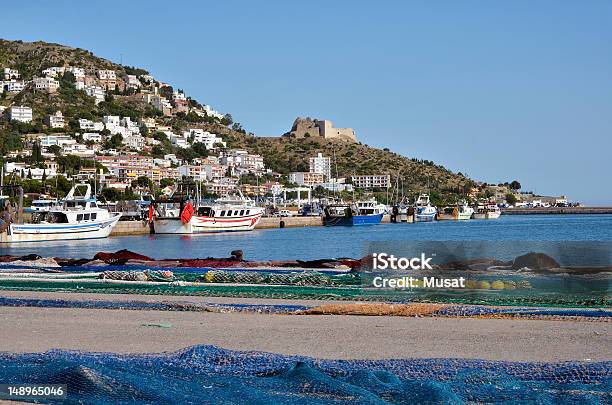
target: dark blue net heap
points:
(210, 375)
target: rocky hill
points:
(282, 154)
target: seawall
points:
(557, 210)
(142, 228)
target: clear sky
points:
(498, 90)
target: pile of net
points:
(146, 275)
(211, 375)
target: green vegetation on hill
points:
(281, 154)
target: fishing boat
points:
(361, 213)
(75, 217)
(487, 211)
(464, 211)
(228, 214)
(423, 210)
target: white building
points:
(107, 75)
(10, 74)
(372, 181)
(46, 84)
(90, 125)
(93, 91)
(78, 149)
(205, 137)
(212, 113)
(92, 136)
(55, 120)
(306, 178)
(131, 81)
(241, 158)
(134, 141)
(14, 86)
(320, 164)
(20, 113)
(59, 140)
(54, 71)
(79, 73)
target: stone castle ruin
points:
(304, 127)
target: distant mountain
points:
(282, 154)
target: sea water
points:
(309, 243)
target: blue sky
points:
(498, 90)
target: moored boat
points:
(362, 213)
(75, 217)
(423, 210)
(464, 211)
(229, 214)
(487, 211)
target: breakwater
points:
(556, 210)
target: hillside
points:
(282, 154)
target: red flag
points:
(151, 213)
(187, 213)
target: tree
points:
(165, 182)
(55, 149)
(511, 199)
(111, 194)
(227, 119)
(114, 142)
(200, 149)
(515, 185)
(29, 174)
(142, 182)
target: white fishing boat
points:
(487, 211)
(75, 217)
(423, 210)
(228, 214)
(370, 207)
(464, 211)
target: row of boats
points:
(371, 212)
(79, 216)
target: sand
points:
(322, 336)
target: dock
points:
(556, 210)
(124, 228)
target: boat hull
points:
(355, 220)
(199, 224)
(18, 233)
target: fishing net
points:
(211, 375)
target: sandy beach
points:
(322, 336)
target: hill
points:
(282, 154)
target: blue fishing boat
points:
(364, 213)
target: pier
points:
(124, 228)
(556, 210)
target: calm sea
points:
(320, 242)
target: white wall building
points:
(92, 136)
(14, 86)
(10, 74)
(321, 164)
(90, 125)
(107, 75)
(46, 84)
(20, 113)
(372, 181)
(59, 140)
(55, 120)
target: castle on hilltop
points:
(309, 127)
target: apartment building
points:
(320, 164)
(55, 120)
(306, 178)
(20, 113)
(372, 181)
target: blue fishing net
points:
(211, 375)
